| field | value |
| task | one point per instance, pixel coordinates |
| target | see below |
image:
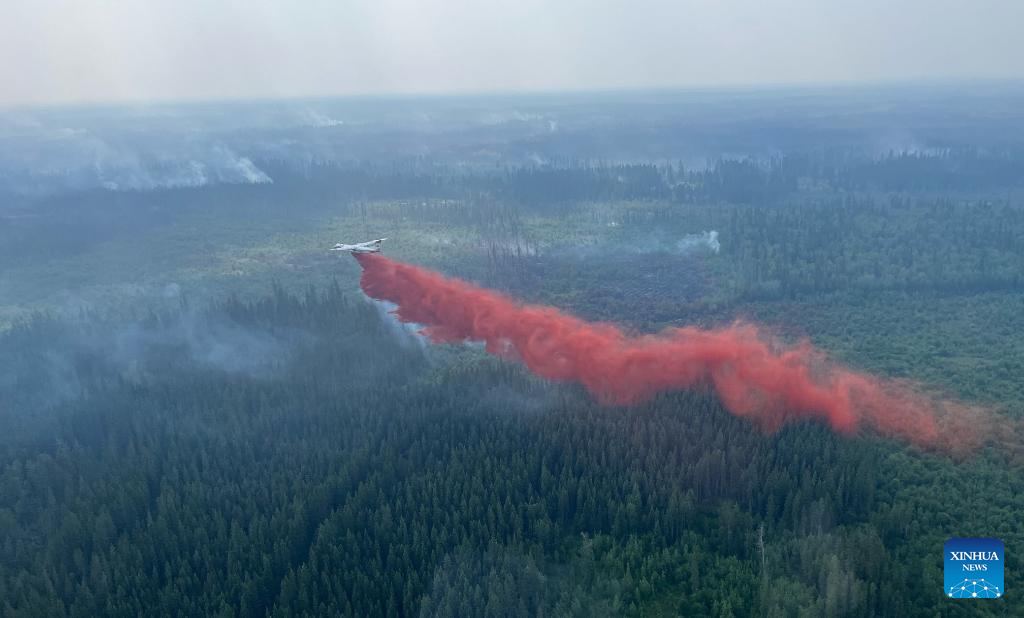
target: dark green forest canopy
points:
(354, 471)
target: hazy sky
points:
(102, 50)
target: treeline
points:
(869, 244)
(762, 181)
(731, 180)
(68, 223)
(860, 244)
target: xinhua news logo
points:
(974, 568)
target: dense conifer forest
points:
(201, 414)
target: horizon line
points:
(709, 88)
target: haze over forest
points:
(651, 334)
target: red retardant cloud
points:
(755, 376)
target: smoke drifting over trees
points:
(182, 436)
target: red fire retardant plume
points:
(754, 375)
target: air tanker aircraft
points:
(370, 246)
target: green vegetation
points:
(370, 476)
(202, 416)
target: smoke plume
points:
(694, 242)
(754, 375)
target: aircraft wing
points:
(370, 246)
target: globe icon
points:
(974, 589)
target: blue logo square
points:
(973, 568)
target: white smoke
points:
(119, 170)
(212, 342)
(705, 241)
(49, 373)
(42, 158)
(310, 117)
(405, 332)
(501, 117)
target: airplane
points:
(370, 246)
